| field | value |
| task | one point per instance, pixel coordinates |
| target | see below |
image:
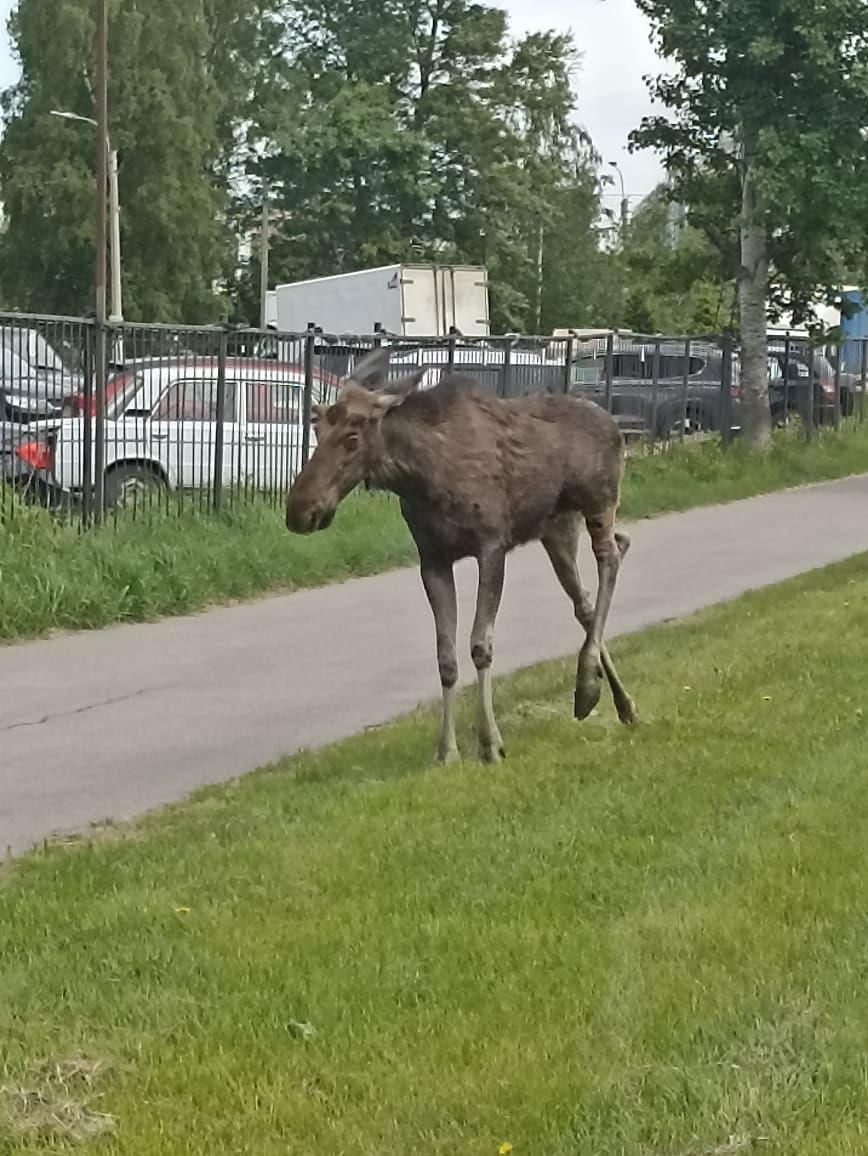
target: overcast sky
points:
(612, 36)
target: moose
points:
(478, 475)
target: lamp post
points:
(624, 203)
(263, 261)
(117, 312)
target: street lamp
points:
(624, 204)
(117, 312)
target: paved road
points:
(105, 725)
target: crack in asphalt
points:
(38, 722)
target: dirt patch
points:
(58, 1099)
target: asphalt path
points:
(107, 724)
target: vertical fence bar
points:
(726, 390)
(812, 394)
(610, 369)
(307, 402)
(685, 385)
(568, 364)
(836, 408)
(220, 418)
(787, 379)
(863, 379)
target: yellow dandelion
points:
(504, 1149)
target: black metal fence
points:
(207, 416)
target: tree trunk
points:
(756, 421)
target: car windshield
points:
(121, 388)
(14, 370)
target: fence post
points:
(836, 412)
(507, 365)
(726, 390)
(568, 365)
(864, 379)
(655, 392)
(610, 369)
(307, 405)
(787, 379)
(685, 385)
(217, 487)
(99, 440)
(450, 350)
(89, 368)
(812, 401)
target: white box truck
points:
(404, 300)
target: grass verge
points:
(646, 942)
(54, 578)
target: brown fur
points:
(477, 476)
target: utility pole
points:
(263, 262)
(117, 309)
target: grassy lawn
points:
(648, 942)
(54, 578)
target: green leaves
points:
(164, 112)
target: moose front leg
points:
(439, 582)
(491, 571)
(609, 548)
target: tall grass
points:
(55, 577)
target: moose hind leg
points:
(609, 548)
(561, 543)
(491, 572)
(439, 582)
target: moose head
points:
(348, 442)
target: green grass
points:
(646, 942)
(54, 578)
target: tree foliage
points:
(165, 112)
(438, 139)
(676, 279)
(767, 107)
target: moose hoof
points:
(491, 752)
(587, 697)
(627, 713)
(452, 755)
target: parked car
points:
(793, 389)
(508, 373)
(639, 408)
(161, 428)
(35, 382)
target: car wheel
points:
(132, 485)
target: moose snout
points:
(305, 521)
(299, 521)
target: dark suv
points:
(791, 390)
(696, 405)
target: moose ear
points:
(370, 371)
(398, 391)
(403, 386)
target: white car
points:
(161, 428)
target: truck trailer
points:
(401, 300)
